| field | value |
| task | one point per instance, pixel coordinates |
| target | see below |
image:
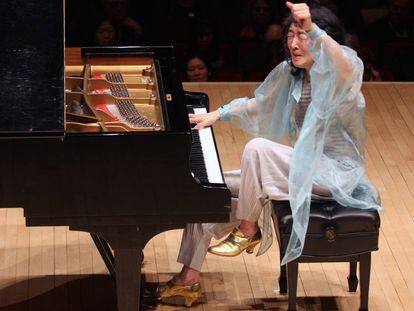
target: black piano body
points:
(122, 186)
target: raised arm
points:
(323, 48)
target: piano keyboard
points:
(204, 162)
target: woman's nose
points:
(295, 41)
(294, 45)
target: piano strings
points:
(112, 98)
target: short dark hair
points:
(194, 55)
(325, 19)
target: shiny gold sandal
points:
(235, 244)
(191, 293)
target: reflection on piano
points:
(103, 147)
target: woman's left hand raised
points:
(301, 14)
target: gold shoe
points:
(235, 244)
(190, 292)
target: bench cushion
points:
(333, 231)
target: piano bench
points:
(335, 234)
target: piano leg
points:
(128, 278)
(105, 252)
(127, 243)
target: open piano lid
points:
(32, 66)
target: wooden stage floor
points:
(52, 268)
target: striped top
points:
(298, 112)
(302, 105)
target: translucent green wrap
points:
(330, 146)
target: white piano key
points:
(209, 151)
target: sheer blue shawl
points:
(331, 143)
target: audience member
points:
(183, 15)
(398, 24)
(330, 4)
(105, 34)
(206, 45)
(352, 41)
(368, 58)
(385, 27)
(259, 16)
(191, 9)
(128, 30)
(267, 54)
(197, 69)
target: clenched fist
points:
(301, 14)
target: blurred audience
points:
(242, 39)
(206, 44)
(396, 24)
(264, 55)
(259, 15)
(191, 9)
(128, 30)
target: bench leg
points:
(352, 277)
(292, 277)
(364, 276)
(282, 280)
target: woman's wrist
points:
(315, 32)
(224, 113)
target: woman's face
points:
(261, 12)
(205, 40)
(105, 35)
(298, 42)
(197, 70)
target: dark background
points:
(243, 45)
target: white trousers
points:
(263, 176)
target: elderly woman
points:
(313, 101)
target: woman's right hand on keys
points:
(204, 120)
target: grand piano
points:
(104, 146)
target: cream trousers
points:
(263, 176)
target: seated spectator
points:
(197, 69)
(259, 16)
(398, 24)
(128, 30)
(206, 45)
(267, 54)
(368, 58)
(188, 9)
(330, 4)
(352, 40)
(105, 34)
(181, 19)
